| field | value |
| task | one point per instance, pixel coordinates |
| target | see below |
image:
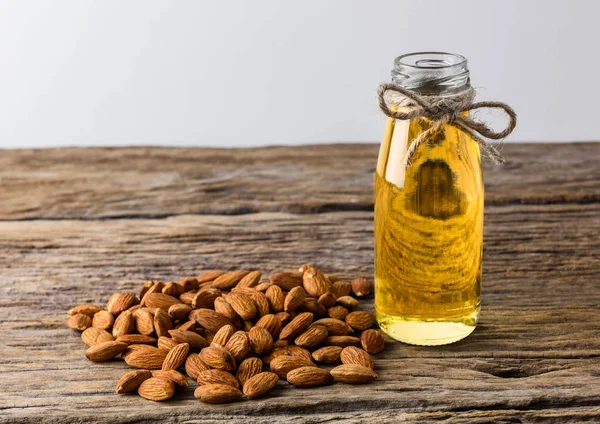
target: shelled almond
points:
(233, 333)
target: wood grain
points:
(79, 224)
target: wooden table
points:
(79, 224)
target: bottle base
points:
(426, 332)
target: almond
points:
(130, 381)
(144, 321)
(172, 289)
(309, 377)
(218, 358)
(194, 365)
(270, 323)
(124, 324)
(296, 326)
(157, 389)
(315, 283)
(262, 303)
(335, 327)
(342, 341)
(156, 287)
(355, 355)
(195, 340)
(167, 343)
(327, 300)
(146, 357)
(224, 308)
(337, 312)
(209, 319)
(131, 339)
(175, 376)
(284, 317)
(327, 354)
(134, 348)
(179, 311)
(248, 369)
(281, 343)
(260, 384)
(217, 377)
(187, 326)
(79, 322)
(119, 302)
(360, 320)
(207, 276)
(160, 300)
(93, 336)
(294, 299)
(276, 298)
(361, 287)
(187, 284)
(186, 298)
(312, 337)
(372, 341)
(286, 280)
(85, 309)
(217, 393)
(206, 298)
(103, 320)
(310, 304)
(229, 280)
(176, 357)
(262, 287)
(282, 365)
(341, 288)
(238, 345)
(332, 278)
(261, 340)
(278, 351)
(105, 351)
(348, 302)
(242, 304)
(223, 335)
(353, 374)
(162, 323)
(299, 352)
(250, 280)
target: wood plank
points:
(156, 182)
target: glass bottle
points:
(428, 216)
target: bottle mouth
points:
(432, 73)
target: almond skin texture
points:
(353, 374)
(327, 354)
(337, 312)
(130, 381)
(309, 377)
(361, 287)
(93, 336)
(260, 384)
(205, 298)
(176, 357)
(327, 300)
(357, 356)
(85, 309)
(341, 288)
(372, 341)
(248, 369)
(218, 358)
(187, 284)
(119, 302)
(229, 280)
(224, 308)
(162, 323)
(175, 376)
(250, 280)
(195, 340)
(299, 352)
(144, 321)
(223, 335)
(286, 280)
(136, 339)
(124, 324)
(172, 289)
(360, 320)
(179, 311)
(296, 326)
(148, 357)
(342, 341)
(348, 302)
(157, 389)
(262, 303)
(294, 299)
(105, 351)
(160, 300)
(282, 365)
(207, 276)
(194, 365)
(261, 340)
(209, 319)
(312, 337)
(242, 304)
(79, 322)
(270, 323)
(276, 298)
(103, 320)
(315, 283)
(217, 377)
(167, 343)
(217, 393)
(238, 345)
(335, 327)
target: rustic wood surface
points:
(79, 224)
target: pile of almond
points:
(222, 328)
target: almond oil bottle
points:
(428, 216)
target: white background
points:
(261, 72)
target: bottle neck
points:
(432, 73)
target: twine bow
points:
(446, 110)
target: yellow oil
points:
(428, 235)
